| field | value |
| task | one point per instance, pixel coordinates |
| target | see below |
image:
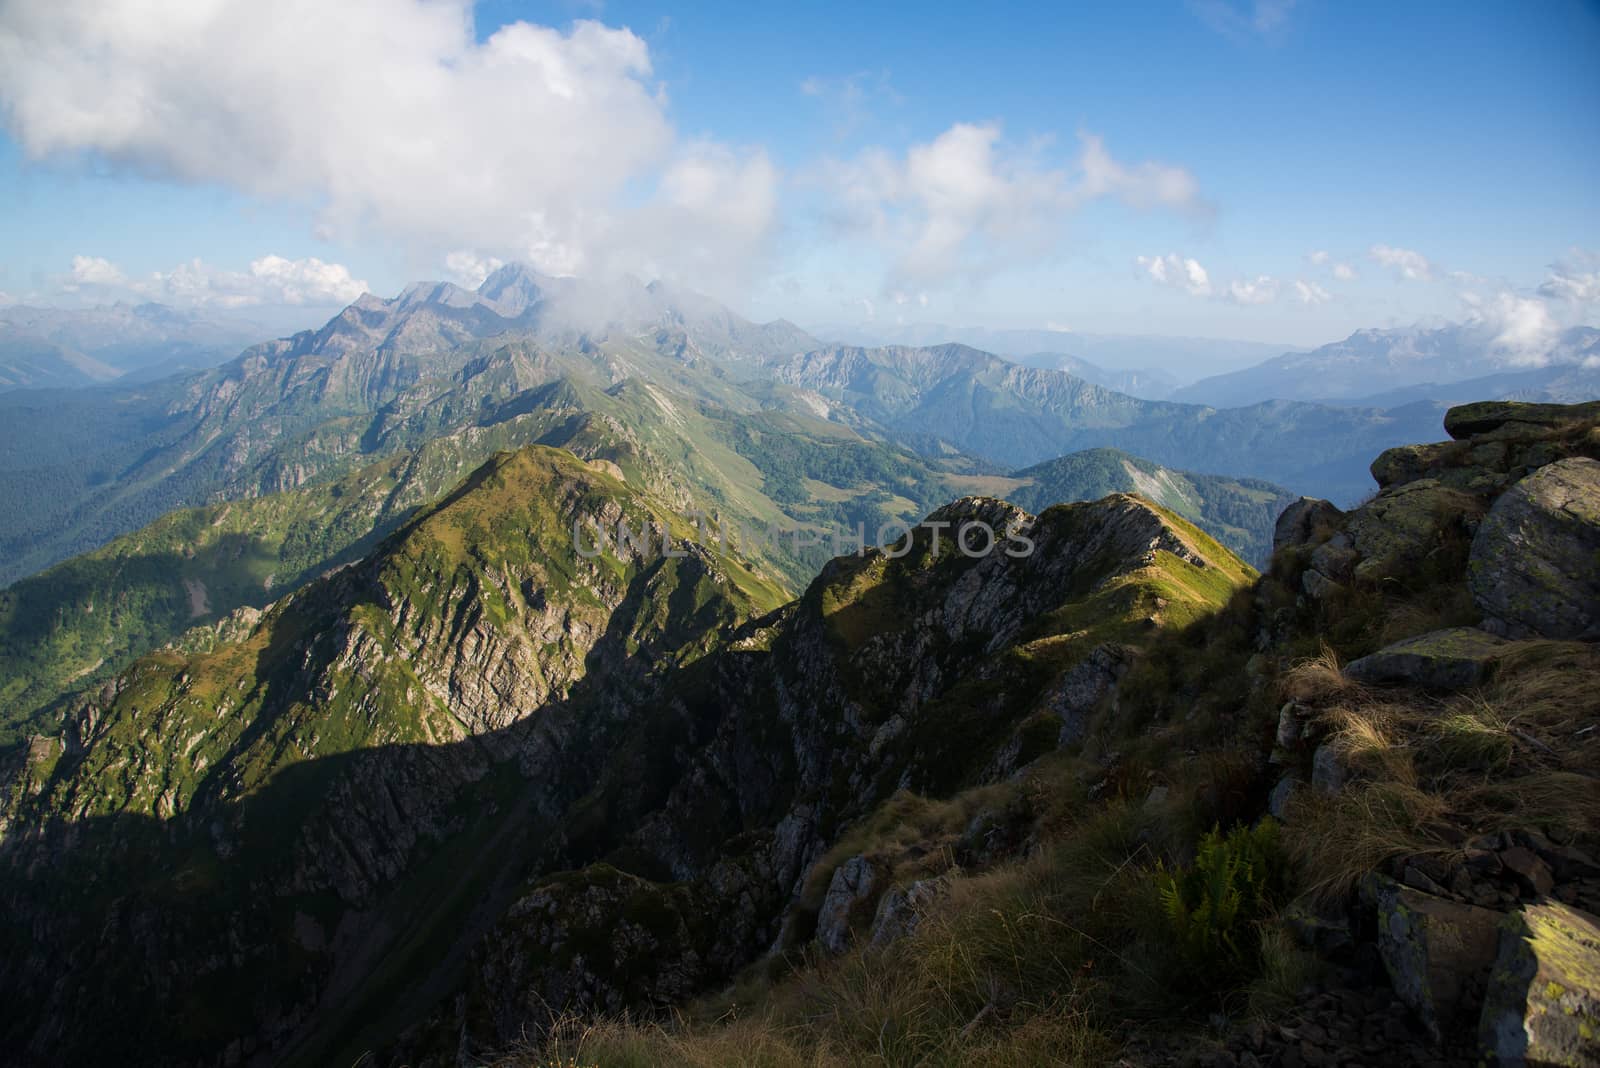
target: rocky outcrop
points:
(1302, 521)
(1499, 417)
(1535, 564)
(1081, 688)
(1543, 1002)
(1441, 660)
(850, 897)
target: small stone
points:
(1531, 872)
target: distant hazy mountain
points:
(958, 398)
(1411, 364)
(1150, 383)
(141, 342)
(1184, 358)
(34, 363)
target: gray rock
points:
(1543, 1001)
(900, 911)
(1300, 522)
(853, 883)
(1329, 770)
(1079, 689)
(1317, 585)
(1435, 951)
(1282, 797)
(1535, 563)
(1447, 659)
(1289, 726)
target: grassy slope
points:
(1066, 953)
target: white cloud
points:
(1344, 272)
(469, 268)
(1310, 293)
(389, 116)
(967, 204)
(1185, 273)
(1178, 272)
(1262, 289)
(1317, 258)
(1576, 280)
(1522, 327)
(269, 280)
(95, 271)
(1408, 263)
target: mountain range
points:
(385, 376)
(1461, 361)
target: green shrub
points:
(1214, 907)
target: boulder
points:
(851, 888)
(1437, 952)
(1450, 659)
(1542, 1006)
(1407, 463)
(1280, 801)
(1300, 522)
(1535, 563)
(1467, 420)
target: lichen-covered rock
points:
(1469, 420)
(851, 889)
(1300, 522)
(1396, 531)
(1542, 1006)
(1407, 463)
(1535, 563)
(1437, 952)
(1447, 659)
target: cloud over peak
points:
(389, 116)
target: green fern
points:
(1213, 907)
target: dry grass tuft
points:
(1318, 679)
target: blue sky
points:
(1271, 171)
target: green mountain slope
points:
(755, 473)
(337, 760)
